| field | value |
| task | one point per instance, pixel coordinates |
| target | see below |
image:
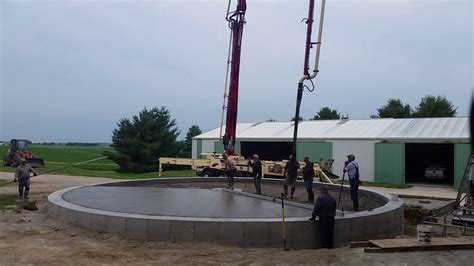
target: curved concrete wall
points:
(383, 222)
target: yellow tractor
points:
(19, 150)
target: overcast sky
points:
(70, 70)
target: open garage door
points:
(428, 163)
(272, 151)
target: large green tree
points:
(140, 141)
(327, 113)
(431, 106)
(393, 109)
(188, 141)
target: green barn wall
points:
(198, 148)
(314, 150)
(390, 163)
(461, 156)
(219, 147)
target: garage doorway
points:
(272, 151)
(427, 163)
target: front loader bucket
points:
(35, 162)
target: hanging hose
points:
(226, 82)
(61, 168)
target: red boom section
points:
(237, 21)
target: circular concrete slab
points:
(179, 202)
(149, 210)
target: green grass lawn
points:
(6, 200)
(58, 156)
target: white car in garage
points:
(435, 172)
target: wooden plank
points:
(418, 248)
(399, 245)
(361, 244)
(435, 241)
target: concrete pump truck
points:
(212, 163)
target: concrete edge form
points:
(383, 222)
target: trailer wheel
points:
(206, 173)
(277, 168)
(222, 174)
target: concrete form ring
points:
(383, 222)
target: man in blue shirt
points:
(352, 170)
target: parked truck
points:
(212, 165)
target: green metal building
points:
(395, 151)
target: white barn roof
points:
(452, 128)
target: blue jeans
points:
(23, 186)
(354, 183)
(309, 188)
(257, 180)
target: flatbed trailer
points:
(212, 165)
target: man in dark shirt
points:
(325, 208)
(257, 173)
(308, 177)
(290, 173)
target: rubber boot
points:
(27, 191)
(356, 206)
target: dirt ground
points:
(31, 237)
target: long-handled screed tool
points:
(61, 168)
(283, 228)
(340, 191)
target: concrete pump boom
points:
(306, 74)
(236, 21)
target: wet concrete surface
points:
(182, 202)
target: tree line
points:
(429, 106)
(139, 142)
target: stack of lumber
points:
(404, 245)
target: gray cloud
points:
(72, 69)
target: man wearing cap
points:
(22, 174)
(325, 208)
(308, 177)
(352, 170)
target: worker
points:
(308, 177)
(22, 175)
(230, 169)
(257, 173)
(352, 169)
(290, 173)
(325, 208)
